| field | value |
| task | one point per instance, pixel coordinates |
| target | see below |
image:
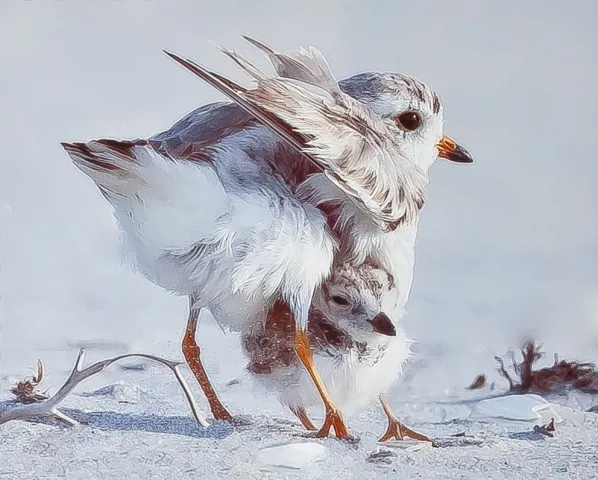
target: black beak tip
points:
(460, 155)
(382, 324)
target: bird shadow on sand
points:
(152, 423)
(171, 424)
(528, 436)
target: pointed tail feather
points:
(112, 164)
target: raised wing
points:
(336, 132)
(236, 93)
(306, 65)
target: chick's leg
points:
(396, 429)
(191, 352)
(301, 414)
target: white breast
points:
(351, 383)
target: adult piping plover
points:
(243, 208)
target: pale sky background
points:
(508, 246)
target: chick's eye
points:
(340, 300)
(409, 121)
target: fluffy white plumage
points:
(351, 382)
(229, 209)
(190, 231)
(358, 349)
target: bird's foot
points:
(335, 421)
(396, 430)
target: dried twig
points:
(26, 390)
(547, 429)
(531, 353)
(503, 372)
(49, 407)
(562, 374)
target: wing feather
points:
(308, 66)
(340, 135)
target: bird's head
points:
(355, 298)
(412, 112)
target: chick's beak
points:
(451, 150)
(383, 325)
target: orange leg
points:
(333, 418)
(396, 429)
(191, 353)
(301, 414)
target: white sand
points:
(140, 427)
(507, 246)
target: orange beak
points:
(451, 150)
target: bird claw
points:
(396, 430)
(335, 421)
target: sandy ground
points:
(507, 247)
(139, 426)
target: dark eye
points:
(409, 121)
(340, 300)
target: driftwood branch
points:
(49, 407)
